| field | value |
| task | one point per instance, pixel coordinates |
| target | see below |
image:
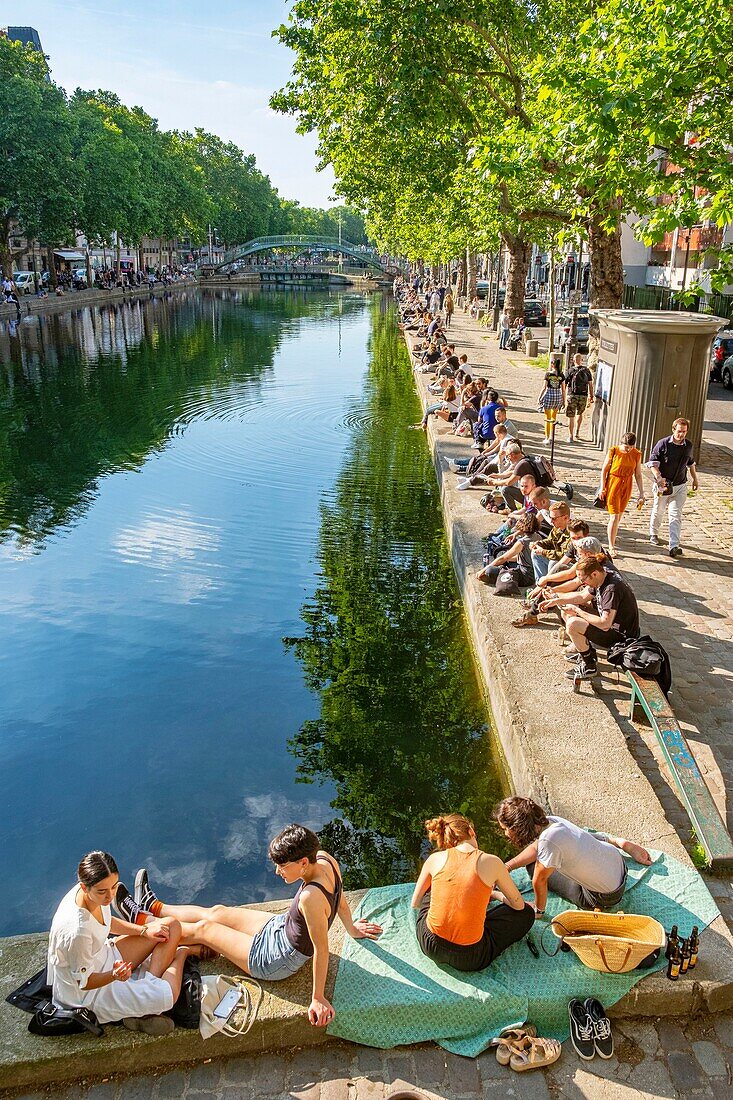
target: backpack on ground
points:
(186, 1012)
(544, 470)
(644, 656)
(507, 583)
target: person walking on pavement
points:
(669, 462)
(504, 329)
(579, 389)
(449, 307)
(621, 466)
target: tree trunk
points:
(117, 256)
(520, 252)
(463, 274)
(52, 278)
(470, 260)
(606, 279)
(551, 302)
(606, 267)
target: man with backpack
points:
(578, 395)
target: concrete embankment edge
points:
(567, 751)
(28, 1062)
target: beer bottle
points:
(675, 962)
(672, 941)
(685, 951)
(694, 948)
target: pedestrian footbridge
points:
(301, 252)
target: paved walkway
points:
(652, 1059)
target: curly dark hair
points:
(523, 819)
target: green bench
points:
(709, 827)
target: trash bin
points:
(653, 366)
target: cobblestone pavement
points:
(656, 1058)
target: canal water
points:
(226, 601)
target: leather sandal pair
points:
(522, 1049)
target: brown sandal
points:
(534, 1054)
(510, 1038)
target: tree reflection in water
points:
(403, 725)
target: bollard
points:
(531, 346)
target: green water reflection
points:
(403, 726)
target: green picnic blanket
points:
(388, 993)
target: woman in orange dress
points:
(621, 466)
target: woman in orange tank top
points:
(452, 894)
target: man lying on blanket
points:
(586, 869)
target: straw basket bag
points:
(613, 942)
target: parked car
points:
(722, 350)
(24, 282)
(534, 312)
(726, 373)
(563, 326)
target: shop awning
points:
(68, 254)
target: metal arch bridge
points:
(292, 241)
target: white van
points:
(24, 281)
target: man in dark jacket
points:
(669, 462)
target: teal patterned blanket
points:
(388, 993)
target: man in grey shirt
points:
(586, 869)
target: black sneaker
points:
(585, 667)
(675, 552)
(144, 896)
(568, 491)
(125, 905)
(582, 1030)
(602, 1037)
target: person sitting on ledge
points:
(585, 869)
(452, 893)
(135, 976)
(271, 947)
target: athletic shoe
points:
(454, 467)
(571, 653)
(602, 1036)
(585, 668)
(655, 540)
(476, 446)
(144, 896)
(675, 552)
(465, 484)
(126, 907)
(582, 1030)
(150, 1025)
(568, 490)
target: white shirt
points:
(77, 947)
(582, 857)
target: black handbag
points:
(34, 997)
(50, 1020)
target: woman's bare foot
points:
(637, 853)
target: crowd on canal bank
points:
(541, 547)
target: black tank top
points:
(296, 930)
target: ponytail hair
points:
(448, 830)
(94, 867)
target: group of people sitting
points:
(541, 546)
(127, 965)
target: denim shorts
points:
(272, 957)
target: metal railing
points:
(292, 240)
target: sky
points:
(212, 65)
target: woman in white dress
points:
(134, 977)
